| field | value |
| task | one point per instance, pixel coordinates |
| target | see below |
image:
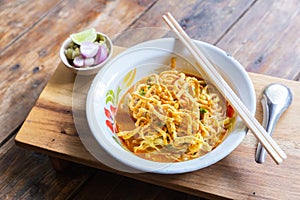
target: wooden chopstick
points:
(205, 67)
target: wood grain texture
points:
(27, 64)
(27, 175)
(20, 16)
(235, 176)
(203, 20)
(266, 40)
(261, 34)
(116, 188)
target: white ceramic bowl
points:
(130, 66)
(85, 70)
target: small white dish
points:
(85, 70)
(140, 61)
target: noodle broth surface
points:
(172, 117)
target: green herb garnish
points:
(203, 110)
(142, 92)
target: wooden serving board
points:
(50, 129)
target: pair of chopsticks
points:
(205, 67)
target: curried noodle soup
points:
(172, 117)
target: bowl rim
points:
(164, 166)
(82, 69)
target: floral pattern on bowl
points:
(112, 100)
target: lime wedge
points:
(89, 35)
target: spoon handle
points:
(270, 118)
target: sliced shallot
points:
(89, 49)
(89, 61)
(78, 61)
(101, 55)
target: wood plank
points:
(245, 38)
(25, 71)
(125, 188)
(203, 20)
(242, 173)
(28, 175)
(20, 16)
(98, 187)
(266, 39)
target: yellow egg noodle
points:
(176, 118)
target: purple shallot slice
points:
(101, 54)
(78, 61)
(89, 49)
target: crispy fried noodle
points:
(175, 118)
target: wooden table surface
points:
(50, 129)
(263, 35)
